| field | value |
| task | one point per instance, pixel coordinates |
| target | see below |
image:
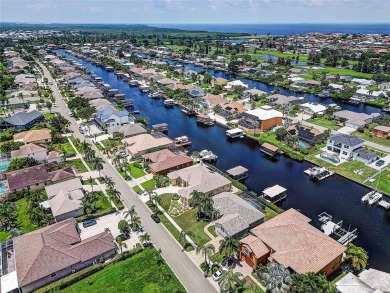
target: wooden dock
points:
(335, 230)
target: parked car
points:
(70, 114)
(380, 163)
(155, 218)
(89, 223)
(218, 274)
(227, 262)
(123, 236)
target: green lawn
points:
(149, 185)
(193, 228)
(5, 136)
(110, 143)
(137, 189)
(66, 148)
(166, 201)
(366, 136)
(77, 164)
(75, 143)
(211, 229)
(217, 257)
(135, 172)
(324, 122)
(384, 181)
(140, 273)
(103, 204)
(269, 214)
(49, 115)
(249, 283)
(23, 222)
(123, 174)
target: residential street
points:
(189, 274)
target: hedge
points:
(96, 215)
(271, 205)
(76, 277)
(237, 184)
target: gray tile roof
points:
(365, 154)
(23, 118)
(346, 139)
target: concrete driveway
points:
(109, 221)
(346, 130)
(387, 162)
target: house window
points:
(346, 146)
(53, 275)
(247, 250)
(345, 153)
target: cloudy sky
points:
(195, 11)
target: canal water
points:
(336, 195)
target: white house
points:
(30, 150)
(231, 85)
(313, 108)
(370, 94)
(344, 146)
(384, 86)
(109, 118)
(362, 81)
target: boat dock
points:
(384, 204)
(335, 230)
(162, 127)
(318, 173)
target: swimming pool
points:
(252, 204)
(4, 165)
(3, 188)
(303, 144)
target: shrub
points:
(95, 215)
(137, 165)
(271, 205)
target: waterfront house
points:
(64, 199)
(364, 156)
(368, 281)
(145, 143)
(233, 109)
(50, 254)
(385, 86)
(343, 146)
(198, 178)
(254, 94)
(210, 101)
(305, 134)
(370, 94)
(289, 239)
(30, 150)
(219, 81)
(313, 109)
(237, 216)
(37, 177)
(283, 101)
(381, 131)
(196, 92)
(353, 119)
(260, 119)
(39, 136)
(107, 117)
(164, 161)
(25, 120)
(232, 85)
(128, 130)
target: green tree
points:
(21, 163)
(8, 215)
(123, 226)
(277, 278)
(311, 282)
(356, 257)
(228, 246)
(281, 133)
(231, 282)
(206, 250)
(145, 238)
(49, 105)
(97, 164)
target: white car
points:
(218, 274)
(70, 114)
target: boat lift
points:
(335, 230)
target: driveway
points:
(346, 130)
(189, 274)
(387, 162)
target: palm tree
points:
(145, 238)
(356, 256)
(231, 282)
(228, 246)
(277, 278)
(84, 147)
(135, 223)
(14, 232)
(91, 181)
(97, 163)
(311, 282)
(156, 199)
(121, 244)
(197, 201)
(206, 250)
(117, 160)
(7, 215)
(130, 213)
(109, 183)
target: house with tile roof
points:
(39, 136)
(52, 253)
(368, 281)
(30, 150)
(37, 177)
(198, 178)
(260, 119)
(128, 130)
(65, 199)
(25, 120)
(144, 143)
(353, 119)
(290, 240)
(164, 161)
(236, 215)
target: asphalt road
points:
(188, 273)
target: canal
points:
(336, 195)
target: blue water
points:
(302, 144)
(285, 29)
(252, 204)
(3, 188)
(335, 195)
(4, 165)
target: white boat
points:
(372, 197)
(133, 82)
(235, 132)
(182, 141)
(169, 103)
(144, 88)
(206, 155)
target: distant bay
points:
(284, 29)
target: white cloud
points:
(95, 9)
(43, 5)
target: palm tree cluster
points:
(229, 246)
(89, 202)
(37, 214)
(8, 216)
(135, 220)
(311, 282)
(357, 257)
(90, 157)
(113, 194)
(205, 206)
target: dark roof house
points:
(24, 120)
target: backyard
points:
(77, 164)
(324, 122)
(66, 148)
(135, 171)
(149, 185)
(140, 273)
(384, 181)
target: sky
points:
(195, 11)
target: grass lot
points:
(77, 164)
(49, 115)
(75, 143)
(66, 148)
(384, 181)
(149, 185)
(330, 124)
(211, 229)
(123, 174)
(193, 228)
(269, 214)
(5, 136)
(377, 103)
(366, 136)
(248, 283)
(140, 273)
(110, 143)
(166, 201)
(346, 169)
(103, 204)
(217, 257)
(23, 222)
(137, 189)
(135, 172)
